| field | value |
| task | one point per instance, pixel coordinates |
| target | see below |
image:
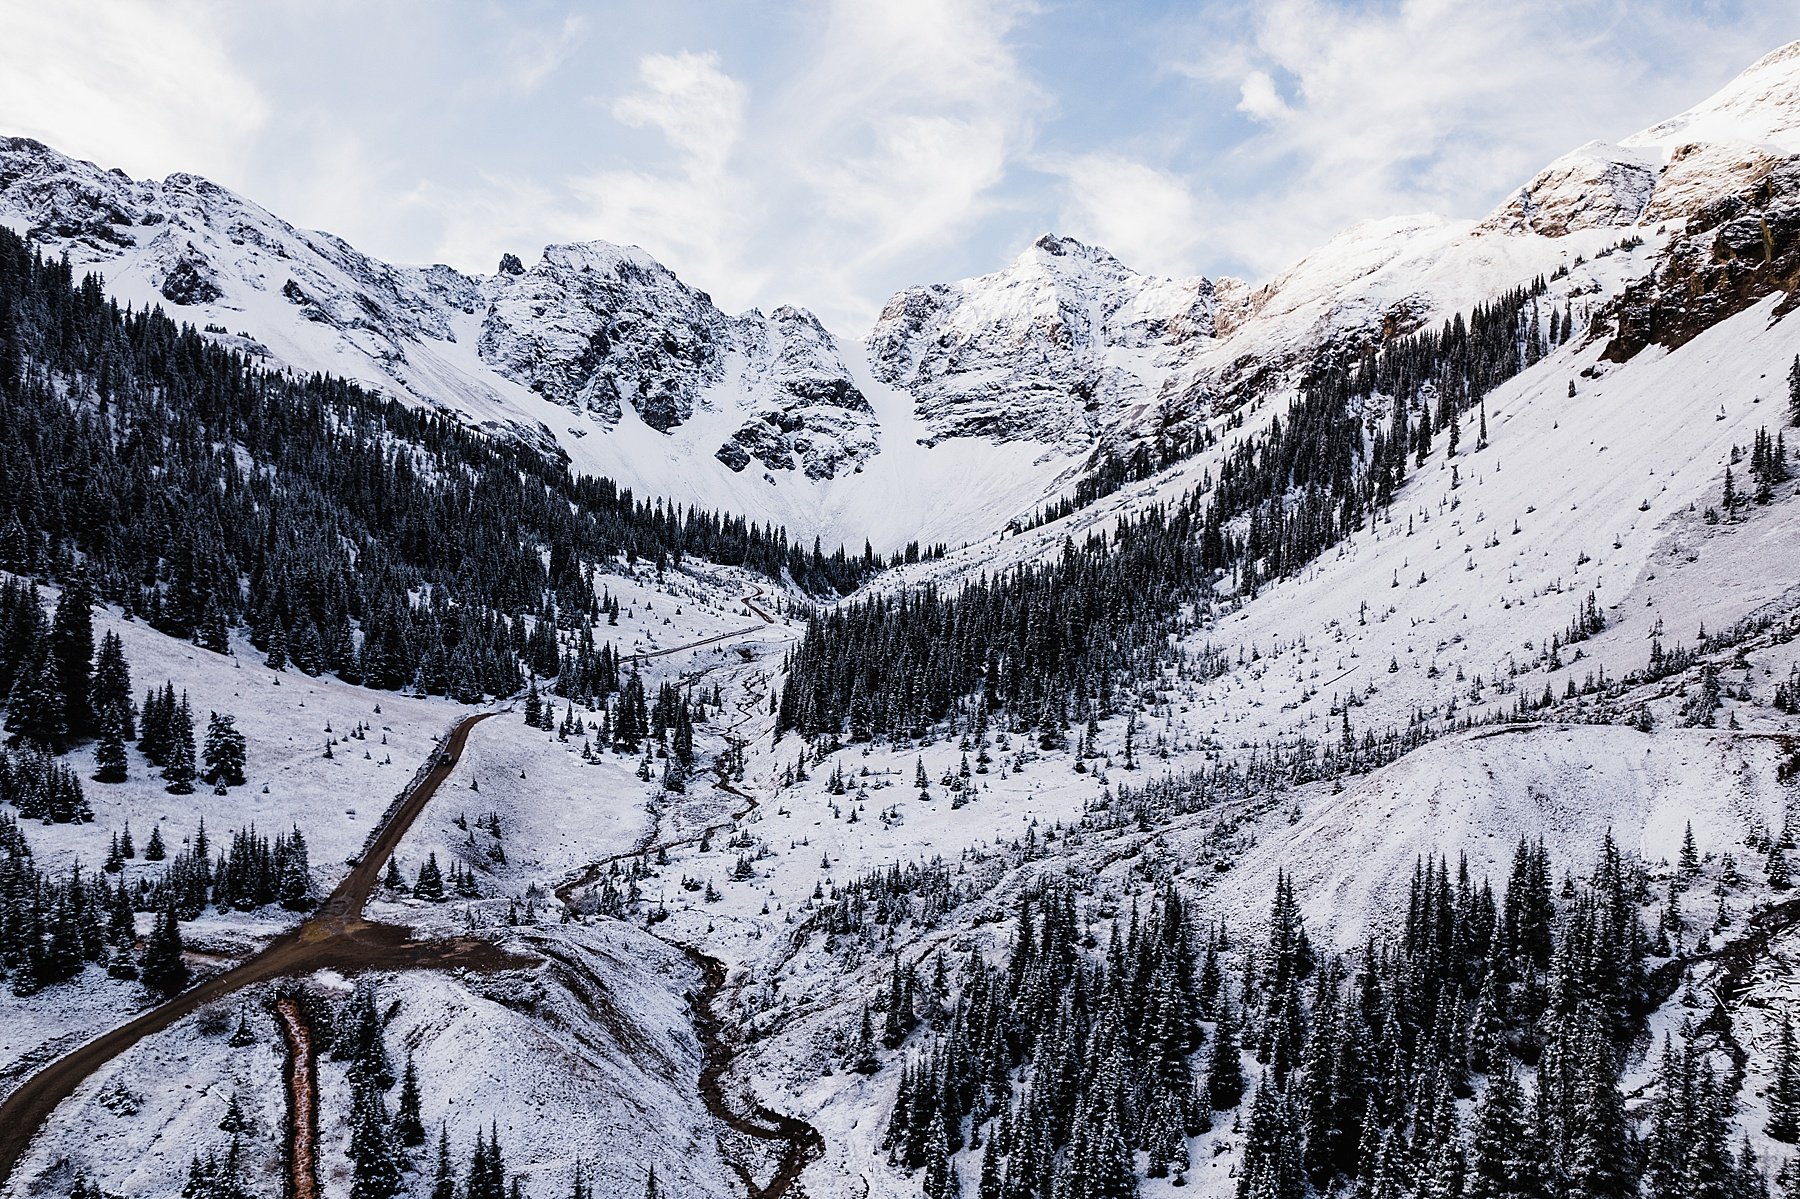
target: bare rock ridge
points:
(599, 329)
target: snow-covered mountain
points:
(1066, 345)
(1032, 372)
(1558, 631)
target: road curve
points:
(334, 936)
(749, 601)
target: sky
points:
(829, 152)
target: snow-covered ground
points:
(589, 1059)
(1596, 480)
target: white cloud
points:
(1149, 218)
(531, 55)
(894, 136)
(910, 120)
(147, 85)
(1258, 98)
(694, 104)
(1405, 105)
(696, 214)
(839, 148)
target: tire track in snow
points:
(303, 1100)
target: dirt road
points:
(303, 1099)
(334, 937)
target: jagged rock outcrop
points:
(1063, 359)
(1063, 346)
(597, 327)
(1734, 251)
(806, 411)
(1598, 185)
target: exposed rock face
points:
(1062, 359)
(1062, 346)
(1597, 186)
(195, 243)
(806, 412)
(1735, 250)
(190, 281)
(595, 327)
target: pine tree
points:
(1690, 853)
(1784, 1088)
(430, 884)
(294, 887)
(374, 1159)
(178, 773)
(1503, 1162)
(35, 711)
(224, 752)
(361, 1040)
(408, 1127)
(1271, 1162)
(165, 973)
(1601, 1141)
(443, 1183)
(1225, 1069)
(110, 759)
(72, 646)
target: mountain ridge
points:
(1063, 358)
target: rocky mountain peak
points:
(1063, 345)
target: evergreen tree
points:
(443, 1184)
(1784, 1088)
(224, 752)
(35, 711)
(408, 1127)
(1271, 1162)
(294, 887)
(374, 1158)
(164, 971)
(1503, 1161)
(178, 773)
(72, 646)
(430, 884)
(1225, 1070)
(110, 758)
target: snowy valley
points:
(1333, 737)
